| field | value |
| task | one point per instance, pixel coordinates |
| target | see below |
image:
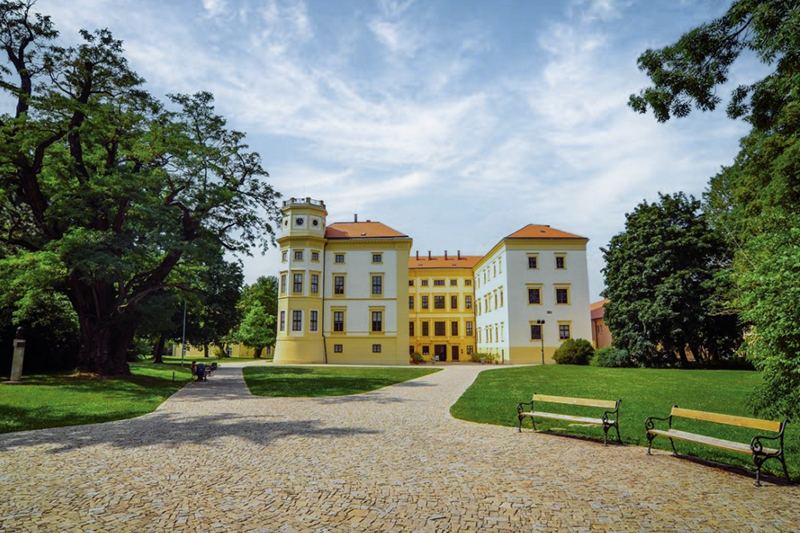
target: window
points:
(454, 302)
(338, 258)
(561, 262)
(468, 302)
(534, 296)
(426, 350)
(533, 262)
(313, 320)
(562, 296)
(439, 329)
(494, 270)
(454, 328)
(469, 328)
(410, 350)
(563, 331)
(376, 348)
(469, 350)
(377, 321)
(411, 283)
(283, 283)
(501, 296)
(425, 329)
(283, 321)
(377, 285)
(438, 283)
(411, 329)
(424, 302)
(411, 302)
(298, 283)
(337, 348)
(338, 321)
(536, 332)
(283, 256)
(297, 321)
(424, 282)
(438, 302)
(500, 264)
(495, 299)
(298, 255)
(338, 284)
(314, 283)
(468, 282)
(478, 303)
(377, 258)
(315, 256)
(454, 283)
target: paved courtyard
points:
(215, 458)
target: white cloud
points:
(215, 8)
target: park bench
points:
(611, 408)
(756, 447)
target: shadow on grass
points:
(174, 430)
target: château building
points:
(351, 292)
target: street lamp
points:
(541, 335)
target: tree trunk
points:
(258, 353)
(158, 356)
(205, 350)
(104, 347)
(684, 358)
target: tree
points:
(265, 292)
(257, 329)
(661, 279)
(106, 192)
(754, 202)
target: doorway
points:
(454, 353)
(440, 352)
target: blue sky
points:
(456, 122)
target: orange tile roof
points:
(452, 261)
(361, 230)
(598, 309)
(536, 231)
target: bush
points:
(416, 358)
(610, 357)
(574, 352)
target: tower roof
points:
(361, 230)
(537, 231)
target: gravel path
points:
(215, 458)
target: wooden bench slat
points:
(710, 441)
(741, 421)
(585, 420)
(588, 402)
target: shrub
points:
(610, 357)
(574, 352)
(416, 358)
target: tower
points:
(302, 242)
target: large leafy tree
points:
(754, 203)
(259, 306)
(661, 279)
(106, 192)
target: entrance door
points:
(440, 351)
(454, 352)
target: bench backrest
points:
(588, 402)
(731, 420)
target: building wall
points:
(492, 306)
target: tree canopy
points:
(107, 194)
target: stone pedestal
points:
(16, 364)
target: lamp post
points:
(541, 335)
(183, 337)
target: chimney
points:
(445, 255)
(417, 255)
(459, 255)
(355, 217)
(429, 255)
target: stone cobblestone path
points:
(214, 458)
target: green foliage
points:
(574, 352)
(610, 357)
(257, 329)
(662, 279)
(494, 396)
(416, 358)
(329, 381)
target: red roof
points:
(536, 231)
(452, 261)
(598, 309)
(361, 230)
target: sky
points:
(456, 122)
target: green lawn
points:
(54, 400)
(329, 381)
(494, 396)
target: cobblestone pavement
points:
(214, 458)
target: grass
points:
(494, 396)
(330, 381)
(55, 400)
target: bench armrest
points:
(520, 409)
(648, 422)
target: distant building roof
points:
(361, 230)
(452, 261)
(537, 231)
(598, 309)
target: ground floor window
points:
(563, 331)
(426, 350)
(337, 348)
(469, 350)
(376, 348)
